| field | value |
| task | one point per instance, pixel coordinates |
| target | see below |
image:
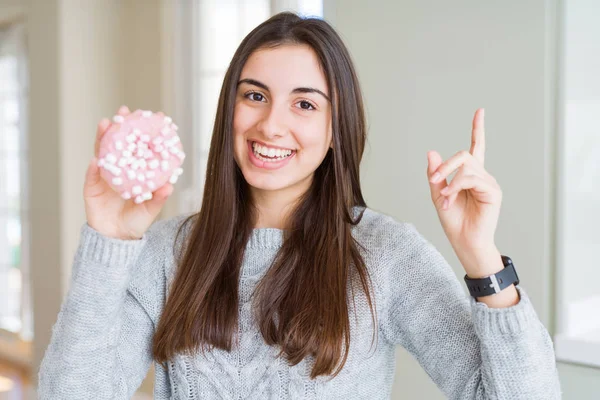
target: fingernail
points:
(445, 190)
(435, 177)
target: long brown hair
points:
(318, 249)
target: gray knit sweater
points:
(101, 341)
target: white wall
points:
(425, 68)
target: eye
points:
(306, 105)
(254, 96)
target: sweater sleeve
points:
(100, 345)
(469, 350)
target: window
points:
(578, 333)
(15, 311)
(216, 28)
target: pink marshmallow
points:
(132, 159)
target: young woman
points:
(285, 285)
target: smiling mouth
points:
(267, 154)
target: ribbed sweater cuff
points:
(504, 321)
(97, 248)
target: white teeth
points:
(262, 152)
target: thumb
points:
(434, 160)
(159, 198)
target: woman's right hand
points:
(107, 212)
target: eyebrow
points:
(296, 90)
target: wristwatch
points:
(494, 283)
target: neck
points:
(274, 206)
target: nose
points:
(273, 123)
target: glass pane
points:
(254, 12)
(10, 274)
(9, 138)
(218, 32)
(10, 185)
(210, 86)
(10, 107)
(8, 74)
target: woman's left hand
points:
(473, 197)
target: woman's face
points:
(282, 119)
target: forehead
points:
(285, 68)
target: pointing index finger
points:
(478, 136)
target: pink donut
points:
(139, 154)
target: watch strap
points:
(494, 283)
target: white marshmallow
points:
(165, 154)
(173, 179)
(179, 171)
(136, 132)
(148, 154)
(146, 114)
(168, 120)
(157, 140)
(122, 162)
(142, 163)
(140, 153)
(130, 174)
(118, 119)
(139, 200)
(141, 178)
(151, 185)
(117, 181)
(126, 195)
(150, 174)
(158, 148)
(164, 165)
(145, 138)
(181, 155)
(153, 164)
(111, 158)
(119, 145)
(130, 138)
(101, 162)
(174, 127)
(165, 131)
(136, 190)
(147, 196)
(131, 146)
(126, 153)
